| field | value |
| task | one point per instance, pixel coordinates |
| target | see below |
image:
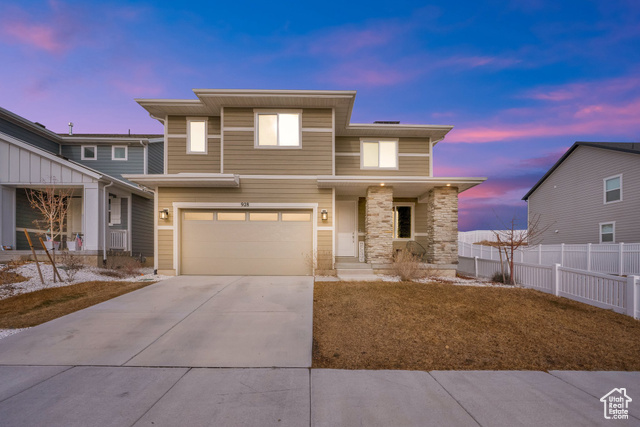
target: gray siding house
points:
(591, 195)
(106, 211)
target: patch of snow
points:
(86, 274)
(8, 332)
(326, 279)
(459, 281)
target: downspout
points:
(106, 223)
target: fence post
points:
(539, 254)
(475, 266)
(556, 279)
(588, 256)
(621, 258)
(562, 254)
(633, 282)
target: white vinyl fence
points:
(620, 294)
(483, 235)
(611, 258)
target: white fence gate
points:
(611, 258)
(620, 294)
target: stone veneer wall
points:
(379, 225)
(442, 224)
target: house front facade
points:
(263, 182)
(591, 195)
(105, 212)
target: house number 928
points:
(244, 204)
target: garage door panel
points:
(246, 247)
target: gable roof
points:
(624, 147)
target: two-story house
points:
(590, 195)
(269, 181)
(106, 212)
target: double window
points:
(613, 189)
(378, 154)
(278, 129)
(197, 136)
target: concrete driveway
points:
(186, 321)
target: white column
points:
(621, 259)
(588, 256)
(93, 217)
(8, 216)
(633, 282)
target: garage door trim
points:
(178, 206)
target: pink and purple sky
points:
(520, 80)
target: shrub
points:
(121, 264)
(320, 260)
(71, 265)
(498, 278)
(407, 266)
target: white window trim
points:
(206, 135)
(413, 221)
(604, 189)
(363, 140)
(126, 152)
(95, 152)
(600, 231)
(258, 111)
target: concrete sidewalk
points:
(127, 396)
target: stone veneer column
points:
(442, 226)
(379, 225)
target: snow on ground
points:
(459, 281)
(8, 332)
(87, 274)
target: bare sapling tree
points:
(52, 203)
(511, 238)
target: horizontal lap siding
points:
(252, 191)
(408, 166)
(238, 117)
(177, 125)
(180, 161)
(142, 226)
(325, 242)
(317, 118)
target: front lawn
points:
(34, 308)
(436, 326)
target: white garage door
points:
(223, 242)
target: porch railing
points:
(118, 239)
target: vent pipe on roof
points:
(70, 128)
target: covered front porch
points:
(376, 217)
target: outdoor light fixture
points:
(164, 214)
(382, 184)
(324, 214)
(448, 185)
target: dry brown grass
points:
(34, 308)
(438, 326)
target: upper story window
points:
(378, 154)
(278, 129)
(196, 136)
(119, 152)
(89, 152)
(402, 221)
(613, 189)
(608, 232)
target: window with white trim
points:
(278, 130)
(196, 136)
(608, 232)
(119, 152)
(402, 221)
(114, 212)
(613, 189)
(89, 152)
(378, 154)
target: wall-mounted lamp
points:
(382, 184)
(324, 215)
(448, 185)
(164, 214)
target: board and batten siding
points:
(142, 226)
(408, 163)
(177, 158)
(251, 191)
(242, 157)
(27, 136)
(571, 199)
(104, 163)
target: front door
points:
(346, 236)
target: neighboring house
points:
(275, 181)
(591, 195)
(106, 211)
